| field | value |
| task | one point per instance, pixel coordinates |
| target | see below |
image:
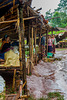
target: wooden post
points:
(29, 69)
(40, 41)
(35, 45)
(23, 46)
(20, 42)
(32, 44)
(46, 41)
(14, 76)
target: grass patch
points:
(31, 98)
(54, 94)
(56, 32)
(60, 49)
(50, 96)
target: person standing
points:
(50, 44)
(42, 46)
(53, 43)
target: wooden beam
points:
(3, 22)
(29, 18)
(4, 28)
(38, 9)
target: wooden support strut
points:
(13, 87)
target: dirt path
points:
(50, 77)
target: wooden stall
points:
(20, 21)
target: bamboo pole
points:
(13, 87)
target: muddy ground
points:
(49, 77)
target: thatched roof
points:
(5, 5)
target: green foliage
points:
(56, 32)
(48, 14)
(57, 21)
(26, 52)
(44, 98)
(61, 12)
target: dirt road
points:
(49, 77)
